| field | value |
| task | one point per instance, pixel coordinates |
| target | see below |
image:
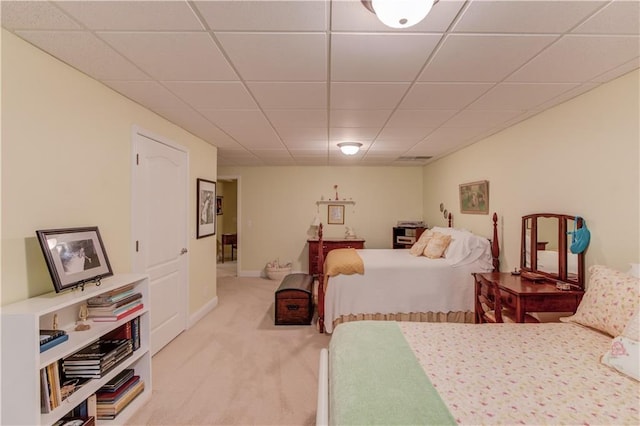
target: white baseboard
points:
(208, 307)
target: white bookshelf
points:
(22, 360)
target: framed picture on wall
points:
(219, 205)
(206, 216)
(474, 197)
(74, 256)
(335, 214)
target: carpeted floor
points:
(235, 367)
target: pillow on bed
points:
(417, 249)
(609, 302)
(437, 245)
(624, 354)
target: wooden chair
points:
(489, 305)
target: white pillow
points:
(624, 354)
(466, 247)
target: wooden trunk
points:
(294, 300)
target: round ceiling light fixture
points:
(349, 148)
(399, 13)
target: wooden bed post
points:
(450, 218)
(495, 245)
(320, 280)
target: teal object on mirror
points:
(580, 237)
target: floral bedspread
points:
(524, 374)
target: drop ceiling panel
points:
(285, 95)
(190, 119)
(520, 95)
(234, 118)
(209, 94)
(397, 146)
(133, 15)
(539, 16)
(448, 96)
(481, 118)
(297, 117)
(85, 52)
(150, 93)
(359, 117)
(618, 17)
(421, 117)
(579, 59)
(363, 135)
(35, 15)
(292, 136)
(402, 135)
(173, 56)
(366, 95)
(264, 15)
(382, 57)
(277, 56)
(256, 136)
(482, 57)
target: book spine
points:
(45, 392)
(135, 333)
(120, 316)
(54, 342)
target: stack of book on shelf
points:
(97, 359)
(114, 305)
(53, 389)
(50, 395)
(51, 338)
(114, 396)
(129, 330)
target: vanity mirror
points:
(545, 248)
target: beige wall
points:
(278, 204)
(579, 158)
(66, 161)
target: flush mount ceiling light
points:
(399, 13)
(349, 148)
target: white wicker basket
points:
(277, 274)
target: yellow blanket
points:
(343, 261)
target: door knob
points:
(183, 251)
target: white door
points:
(160, 224)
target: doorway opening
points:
(227, 224)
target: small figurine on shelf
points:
(349, 233)
(82, 325)
(54, 326)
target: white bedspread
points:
(395, 281)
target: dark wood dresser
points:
(328, 245)
(524, 296)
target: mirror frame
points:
(563, 247)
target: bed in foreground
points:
(574, 372)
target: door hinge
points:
(137, 159)
(137, 246)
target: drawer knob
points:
(293, 307)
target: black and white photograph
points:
(74, 256)
(206, 203)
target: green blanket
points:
(376, 379)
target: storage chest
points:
(294, 300)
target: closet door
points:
(160, 191)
